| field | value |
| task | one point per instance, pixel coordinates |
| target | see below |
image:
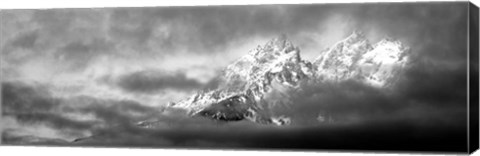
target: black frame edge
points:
(473, 39)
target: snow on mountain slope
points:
(355, 58)
(256, 83)
(252, 75)
(336, 63)
(279, 60)
(379, 66)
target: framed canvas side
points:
(473, 103)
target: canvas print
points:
(359, 76)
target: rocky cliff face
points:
(256, 83)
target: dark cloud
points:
(29, 105)
(351, 102)
(39, 33)
(213, 28)
(116, 112)
(434, 84)
(426, 27)
(64, 25)
(183, 132)
(78, 49)
(33, 105)
(22, 98)
(131, 27)
(52, 120)
(394, 128)
(25, 41)
(152, 81)
(80, 54)
(169, 29)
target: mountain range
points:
(264, 79)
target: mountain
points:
(355, 58)
(336, 63)
(255, 84)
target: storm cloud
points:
(79, 35)
(82, 76)
(115, 124)
(150, 81)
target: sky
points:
(71, 73)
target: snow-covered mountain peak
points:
(250, 79)
(355, 58)
(280, 43)
(252, 86)
(336, 62)
(276, 55)
(381, 65)
(279, 47)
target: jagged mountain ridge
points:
(248, 85)
(355, 57)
